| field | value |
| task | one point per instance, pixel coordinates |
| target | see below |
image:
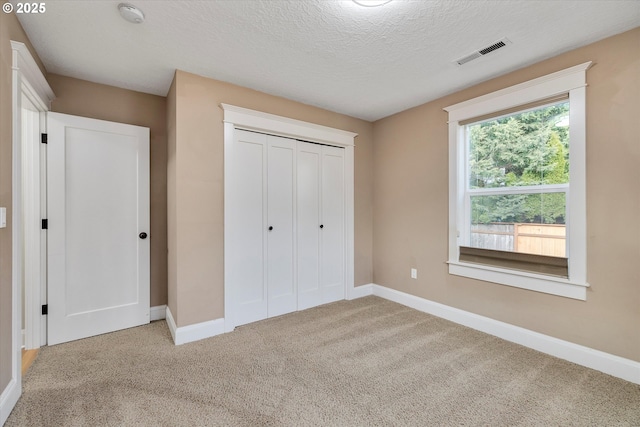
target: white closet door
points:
(281, 289)
(285, 241)
(246, 242)
(332, 254)
(308, 209)
(320, 225)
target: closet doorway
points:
(288, 215)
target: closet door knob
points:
(270, 228)
(321, 226)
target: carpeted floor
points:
(368, 362)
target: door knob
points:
(321, 226)
(270, 228)
(142, 235)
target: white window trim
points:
(573, 81)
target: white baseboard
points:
(24, 338)
(171, 323)
(8, 400)
(360, 291)
(616, 366)
(191, 333)
(158, 312)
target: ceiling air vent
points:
(484, 51)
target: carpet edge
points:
(620, 367)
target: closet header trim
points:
(244, 118)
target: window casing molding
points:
(571, 81)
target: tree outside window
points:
(518, 173)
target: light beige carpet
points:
(368, 362)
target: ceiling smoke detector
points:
(131, 13)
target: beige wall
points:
(411, 207)
(10, 29)
(86, 99)
(196, 166)
(401, 195)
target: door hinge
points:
(45, 309)
(44, 138)
(45, 224)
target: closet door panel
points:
(247, 244)
(308, 209)
(333, 231)
(280, 231)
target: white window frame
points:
(570, 81)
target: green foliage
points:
(520, 150)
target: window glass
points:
(527, 223)
(542, 208)
(528, 148)
(518, 177)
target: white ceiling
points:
(364, 62)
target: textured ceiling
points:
(362, 61)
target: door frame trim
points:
(26, 78)
(243, 118)
(34, 205)
(34, 86)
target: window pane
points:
(528, 223)
(528, 148)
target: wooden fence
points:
(531, 238)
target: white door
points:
(98, 225)
(261, 238)
(281, 287)
(245, 230)
(308, 204)
(332, 228)
(321, 225)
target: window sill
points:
(520, 279)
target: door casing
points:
(34, 204)
(27, 78)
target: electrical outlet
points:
(414, 273)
